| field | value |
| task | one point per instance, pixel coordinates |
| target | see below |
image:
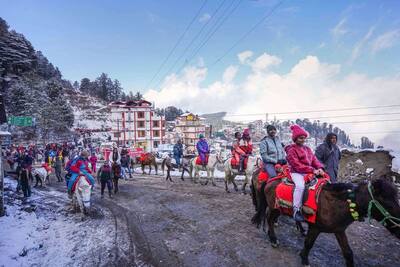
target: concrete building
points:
(189, 126)
(134, 123)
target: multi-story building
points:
(134, 123)
(189, 127)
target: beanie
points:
(297, 131)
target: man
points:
(329, 155)
(202, 149)
(58, 167)
(80, 166)
(125, 164)
(271, 151)
(178, 153)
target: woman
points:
(328, 153)
(237, 152)
(302, 161)
(271, 151)
(105, 176)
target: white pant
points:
(298, 180)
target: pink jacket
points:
(301, 159)
(93, 159)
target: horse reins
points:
(386, 215)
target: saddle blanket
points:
(144, 157)
(284, 199)
(282, 171)
(235, 164)
(76, 182)
(198, 160)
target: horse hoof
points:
(275, 244)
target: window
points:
(156, 133)
(156, 124)
(140, 124)
(140, 114)
(155, 144)
(163, 124)
(141, 133)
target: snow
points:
(369, 170)
(38, 232)
(359, 161)
(396, 160)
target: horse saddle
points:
(284, 197)
(235, 163)
(198, 160)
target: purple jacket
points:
(202, 147)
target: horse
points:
(339, 206)
(231, 173)
(147, 159)
(213, 160)
(41, 176)
(81, 195)
(167, 162)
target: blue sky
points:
(129, 39)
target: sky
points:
(306, 55)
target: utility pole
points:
(2, 210)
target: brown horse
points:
(377, 199)
(148, 159)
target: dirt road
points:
(184, 224)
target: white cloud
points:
(360, 44)
(244, 56)
(339, 30)
(308, 85)
(204, 18)
(386, 40)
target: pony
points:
(81, 195)
(213, 160)
(231, 173)
(41, 176)
(147, 159)
(339, 206)
(170, 165)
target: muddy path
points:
(186, 224)
(160, 223)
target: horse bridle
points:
(386, 215)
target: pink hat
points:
(297, 131)
(246, 132)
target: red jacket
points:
(78, 165)
(301, 159)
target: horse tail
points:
(253, 194)
(262, 207)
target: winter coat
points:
(27, 161)
(81, 164)
(93, 160)
(125, 160)
(202, 147)
(301, 159)
(105, 173)
(330, 157)
(271, 150)
(246, 146)
(178, 150)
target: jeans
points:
(178, 161)
(298, 180)
(270, 169)
(103, 186)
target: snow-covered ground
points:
(42, 232)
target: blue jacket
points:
(271, 150)
(178, 150)
(202, 146)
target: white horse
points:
(213, 160)
(231, 173)
(81, 196)
(41, 175)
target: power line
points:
(247, 33)
(345, 116)
(192, 41)
(176, 44)
(310, 111)
(379, 132)
(342, 122)
(211, 33)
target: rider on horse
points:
(80, 166)
(237, 152)
(271, 151)
(203, 149)
(302, 161)
(246, 146)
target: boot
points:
(298, 216)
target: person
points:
(116, 170)
(203, 149)
(115, 154)
(246, 145)
(237, 152)
(26, 163)
(58, 167)
(23, 177)
(302, 161)
(125, 164)
(271, 151)
(178, 153)
(328, 153)
(80, 167)
(105, 176)
(93, 162)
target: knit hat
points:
(271, 127)
(297, 131)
